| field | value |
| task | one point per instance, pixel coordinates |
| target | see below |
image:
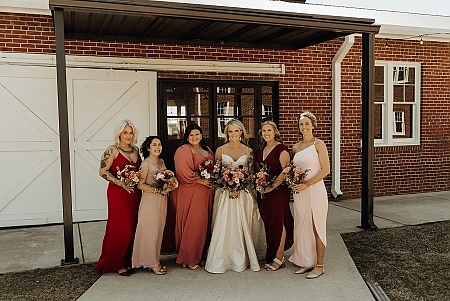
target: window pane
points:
(175, 128)
(249, 124)
(225, 104)
(267, 89)
(408, 116)
(399, 93)
(409, 93)
(379, 93)
(199, 104)
(412, 75)
(379, 74)
(247, 105)
(378, 121)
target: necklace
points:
(128, 152)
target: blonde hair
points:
(235, 122)
(262, 142)
(119, 129)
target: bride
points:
(238, 237)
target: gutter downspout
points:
(336, 119)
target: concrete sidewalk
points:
(40, 247)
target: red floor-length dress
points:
(194, 207)
(121, 224)
(274, 208)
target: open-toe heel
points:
(281, 264)
(158, 270)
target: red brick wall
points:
(306, 85)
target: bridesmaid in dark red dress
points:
(274, 208)
(123, 202)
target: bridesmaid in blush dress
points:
(152, 210)
(123, 202)
(274, 207)
(193, 199)
(310, 200)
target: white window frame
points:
(387, 107)
(401, 120)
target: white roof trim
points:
(35, 7)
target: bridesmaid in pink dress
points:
(310, 200)
(152, 210)
(194, 199)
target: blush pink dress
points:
(308, 204)
(150, 226)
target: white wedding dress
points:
(238, 236)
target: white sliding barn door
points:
(30, 189)
(99, 100)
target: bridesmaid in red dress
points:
(194, 199)
(274, 208)
(123, 202)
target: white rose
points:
(205, 174)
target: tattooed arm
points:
(105, 164)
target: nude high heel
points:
(312, 275)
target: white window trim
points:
(402, 132)
(388, 106)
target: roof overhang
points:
(152, 21)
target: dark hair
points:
(146, 145)
(187, 132)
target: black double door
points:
(211, 104)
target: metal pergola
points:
(148, 21)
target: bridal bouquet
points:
(129, 175)
(294, 175)
(209, 170)
(263, 180)
(235, 179)
(165, 180)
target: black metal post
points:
(63, 113)
(367, 95)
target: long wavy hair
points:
(311, 117)
(240, 125)
(146, 145)
(119, 129)
(262, 142)
(187, 132)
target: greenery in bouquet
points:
(165, 181)
(294, 175)
(263, 180)
(235, 179)
(129, 175)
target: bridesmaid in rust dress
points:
(274, 208)
(194, 199)
(123, 202)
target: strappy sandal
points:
(158, 270)
(312, 275)
(193, 268)
(281, 264)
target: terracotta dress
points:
(194, 207)
(274, 208)
(308, 204)
(121, 224)
(150, 227)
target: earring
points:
(240, 138)
(229, 139)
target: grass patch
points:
(61, 283)
(409, 263)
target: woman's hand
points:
(286, 170)
(300, 187)
(205, 182)
(127, 188)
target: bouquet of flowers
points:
(129, 175)
(263, 180)
(295, 175)
(209, 170)
(235, 179)
(165, 180)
